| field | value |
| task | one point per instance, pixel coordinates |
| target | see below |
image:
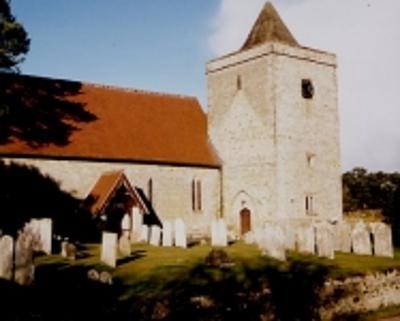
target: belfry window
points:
(307, 89)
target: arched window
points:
(197, 205)
(150, 190)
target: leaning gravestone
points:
(24, 268)
(383, 245)
(109, 249)
(325, 240)
(343, 237)
(144, 234)
(155, 235)
(360, 239)
(272, 242)
(180, 233)
(6, 257)
(167, 234)
(305, 238)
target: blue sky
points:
(156, 45)
(163, 46)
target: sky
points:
(164, 46)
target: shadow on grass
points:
(60, 292)
(132, 257)
(284, 292)
(269, 290)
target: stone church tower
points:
(273, 118)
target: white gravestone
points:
(180, 233)
(325, 240)
(137, 221)
(155, 235)
(124, 243)
(305, 238)
(167, 234)
(24, 268)
(46, 232)
(361, 240)
(343, 237)
(6, 257)
(219, 233)
(109, 249)
(383, 245)
(144, 234)
(272, 242)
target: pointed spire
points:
(269, 27)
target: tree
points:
(14, 40)
(26, 193)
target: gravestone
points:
(167, 234)
(124, 244)
(325, 240)
(155, 235)
(343, 237)
(109, 249)
(383, 245)
(33, 228)
(46, 233)
(64, 245)
(305, 238)
(6, 257)
(137, 222)
(360, 239)
(180, 233)
(24, 268)
(144, 234)
(219, 233)
(41, 234)
(272, 241)
(68, 250)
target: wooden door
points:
(245, 221)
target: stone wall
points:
(172, 195)
(360, 294)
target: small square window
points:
(307, 89)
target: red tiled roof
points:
(129, 125)
(105, 187)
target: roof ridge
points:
(140, 91)
(105, 86)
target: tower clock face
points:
(307, 89)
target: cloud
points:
(365, 34)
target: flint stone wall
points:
(360, 294)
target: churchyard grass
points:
(149, 268)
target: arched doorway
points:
(245, 221)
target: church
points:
(266, 150)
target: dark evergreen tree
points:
(14, 40)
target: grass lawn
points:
(175, 276)
(149, 268)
